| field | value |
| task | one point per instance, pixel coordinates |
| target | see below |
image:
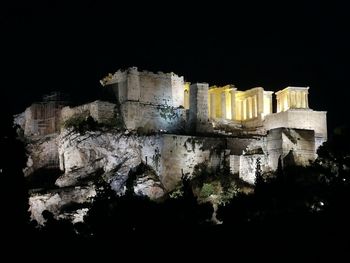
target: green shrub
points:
(177, 193)
(207, 190)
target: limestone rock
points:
(42, 153)
(110, 154)
(58, 200)
(148, 184)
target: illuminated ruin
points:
(190, 123)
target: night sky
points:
(54, 45)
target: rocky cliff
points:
(84, 160)
(68, 166)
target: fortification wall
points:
(100, 111)
(152, 118)
(238, 145)
(146, 87)
(199, 111)
(178, 90)
(155, 89)
(295, 146)
(180, 154)
(299, 119)
(244, 155)
(248, 166)
(149, 101)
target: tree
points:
(259, 180)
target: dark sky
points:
(57, 45)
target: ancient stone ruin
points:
(163, 102)
(171, 126)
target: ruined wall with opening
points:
(295, 146)
(40, 119)
(100, 111)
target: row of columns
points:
(223, 104)
(227, 103)
(292, 99)
(249, 108)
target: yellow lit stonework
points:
(221, 102)
(292, 98)
(252, 104)
(249, 107)
(228, 103)
(187, 95)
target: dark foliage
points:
(133, 216)
(43, 178)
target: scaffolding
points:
(46, 114)
(46, 117)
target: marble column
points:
(289, 101)
(233, 104)
(298, 99)
(293, 103)
(223, 104)
(303, 103)
(255, 107)
(306, 100)
(212, 106)
(244, 109)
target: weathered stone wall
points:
(132, 86)
(180, 154)
(151, 101)
(239, 145)
(199, 112)
(153, 118)
(235, 161)
(299, 119)
(244, 155)
(100, 111)
(248, 166)
(295, 146)
(178, 88)
(147, 87)
(40, 119)
(155, 88)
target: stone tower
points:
(199, 113)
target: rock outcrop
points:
(62, 203)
